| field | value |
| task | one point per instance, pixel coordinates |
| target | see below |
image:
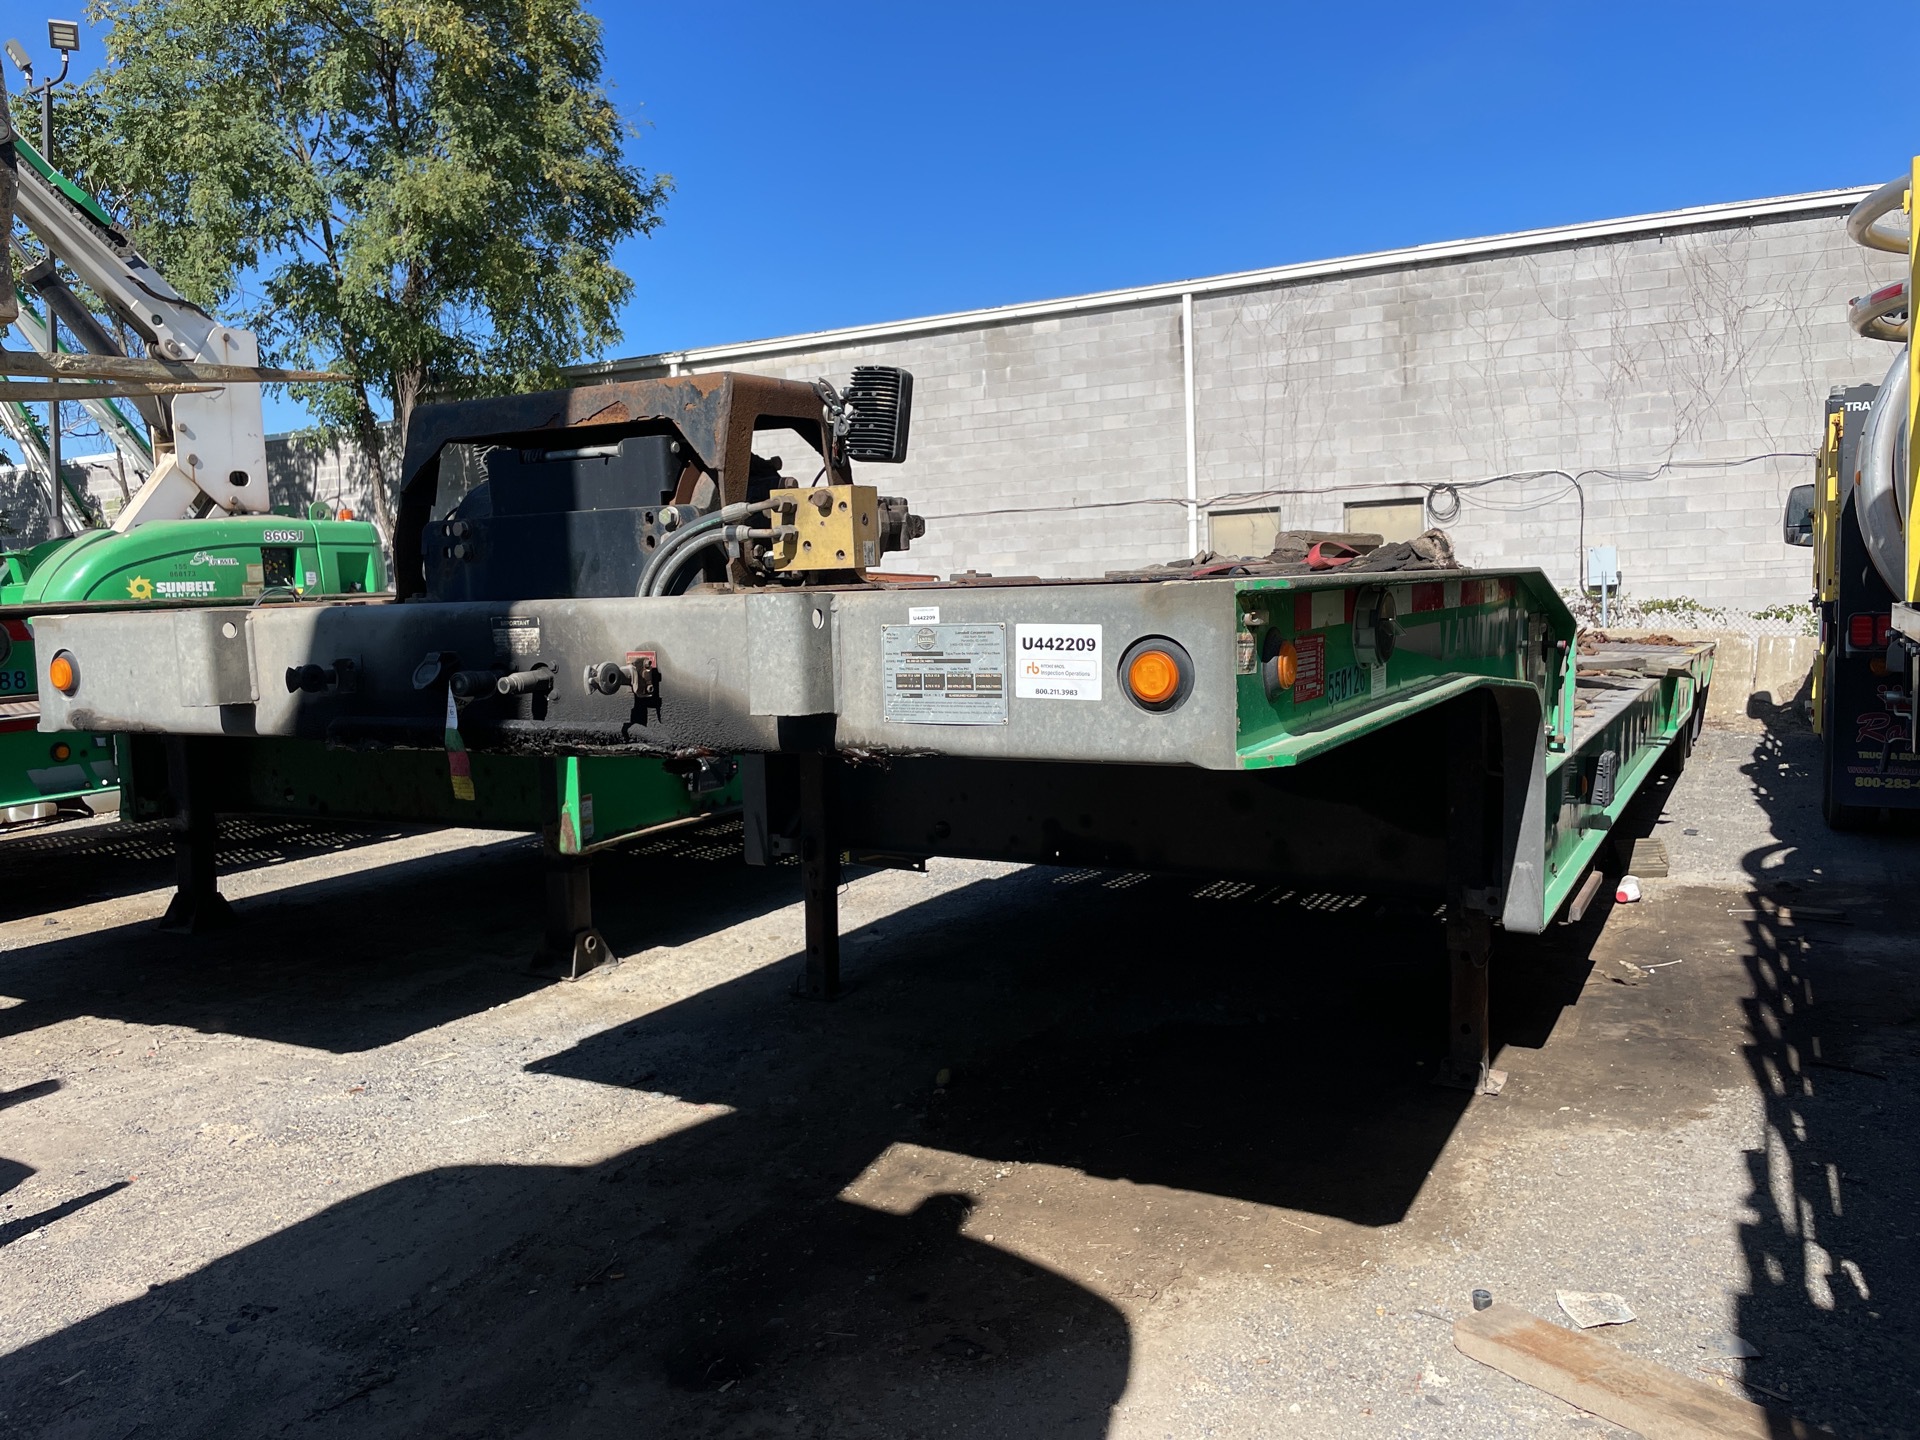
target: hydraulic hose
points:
(679, 540)
(691, 539)
(725, 535)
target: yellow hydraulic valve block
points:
(827, 527)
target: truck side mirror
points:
(1796, 526)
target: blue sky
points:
(837, 165)
(842, 164)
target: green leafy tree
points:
(424, 194)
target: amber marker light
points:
(1279, 666)
(1286, 665)
(61, 750)
(1157, 673)
(1153, 677)
(63, 674)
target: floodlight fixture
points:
(64, 35)
(17, 53)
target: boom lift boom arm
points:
(210, 449)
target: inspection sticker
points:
(1056, 662)
(944, 674)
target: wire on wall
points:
(1444, 499)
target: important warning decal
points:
(1056, 662)
(944, 674)
(515, 637)
(1310, 668)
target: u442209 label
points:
(1056, 662)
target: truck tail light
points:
(1866, 631)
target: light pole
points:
(64, 36)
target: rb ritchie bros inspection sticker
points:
(1056, 662)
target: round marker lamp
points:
(1286, 666)
(1157, 673)
(62, 673)
(1279, 664)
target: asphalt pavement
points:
(1078, 1153)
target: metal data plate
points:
(944, 674)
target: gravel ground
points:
(1077, 1154)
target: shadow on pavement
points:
(1833, 1242)
(19, 1227)
(20, 1094)
(1263, 1045)
(367, 958)
(51, 868)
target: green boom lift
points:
(197, 530)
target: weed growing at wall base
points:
(1682, 612)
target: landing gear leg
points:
(1473, 810)
(197, 905)
(820, 879)
(571, 946)
(1468, 1065)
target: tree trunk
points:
(366, 430)
(407, 387)
(378, 447)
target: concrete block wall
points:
(1029, 439)
(1688, 367)
(299, 473)
(1752, 674)
(1675, 366)
(1706, 351)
